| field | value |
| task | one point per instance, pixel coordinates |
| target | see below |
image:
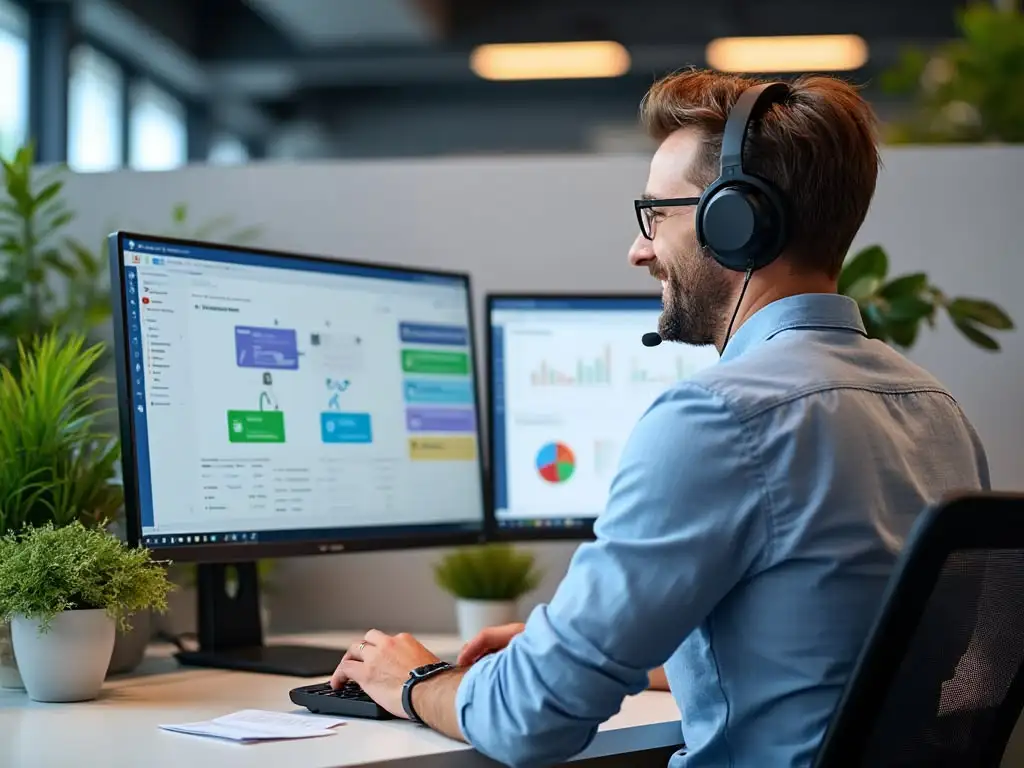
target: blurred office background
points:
(153, 85)
(394, 130)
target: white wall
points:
(565, 224)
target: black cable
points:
(176, 640)
(743, 292)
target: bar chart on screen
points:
(580, 372)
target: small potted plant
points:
(487, 582)
(66, 590)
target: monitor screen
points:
(300, 404)
(569, 379)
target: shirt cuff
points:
(464, 700)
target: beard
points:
(696, 293)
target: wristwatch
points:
(418, 675)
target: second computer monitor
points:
(569, 379)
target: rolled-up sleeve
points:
(683, 524)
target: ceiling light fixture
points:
(550, 61)
(797, 53)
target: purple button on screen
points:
(266, 347)
(440, 419)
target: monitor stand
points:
(231, 631)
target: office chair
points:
(940, 681)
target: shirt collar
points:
(806, 311)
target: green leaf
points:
(9, 288)
(88, 262)
(870, 262)
(876, 331)
(97, 313)
(179, 213)
(906, 285)
(903, 334)
(48, 192)
(908, 309)
(61, 219)
(54, 259)
(978, 337)
(982, 312)
(864, 288)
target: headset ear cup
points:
(741, 225)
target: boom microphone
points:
(651, 339)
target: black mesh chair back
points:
(940, 682)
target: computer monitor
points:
(274, 404)
(568, 380)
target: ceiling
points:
(354, 43)
(315, 24)
(273, 58)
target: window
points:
(94, 112)
(227, 150)
(14, 65)
(157, 132)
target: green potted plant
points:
(65, 591)
(487, 582)
(968, 90)
(56, 465)
(894, 308)
(48, 280)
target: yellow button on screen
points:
(442, 448)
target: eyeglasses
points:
(645, 211)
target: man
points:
(758, 507)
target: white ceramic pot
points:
(475, 615)
(9, 677)
(130, 646)
(69, 661)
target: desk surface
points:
(120, 729)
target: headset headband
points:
(751, 104)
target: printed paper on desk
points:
(251, 725)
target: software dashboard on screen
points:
(281, 399)
(569, 380)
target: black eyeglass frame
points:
(669, 202)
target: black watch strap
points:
(417, 675)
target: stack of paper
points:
(252, 725)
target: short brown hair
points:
(819, 147)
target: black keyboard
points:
(348, 701)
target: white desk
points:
(120, 729)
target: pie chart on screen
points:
(556, 462)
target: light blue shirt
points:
(743, 547)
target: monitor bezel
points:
(245, 551)
(494, 532)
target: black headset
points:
(741, 218)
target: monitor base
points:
(231, 630)
(290, 660)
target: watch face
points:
(427, 668)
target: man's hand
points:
(488, 641)
(380, 665)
